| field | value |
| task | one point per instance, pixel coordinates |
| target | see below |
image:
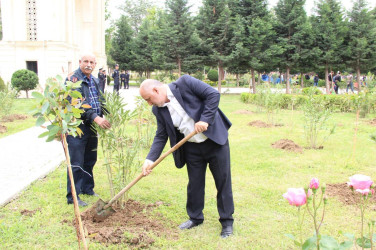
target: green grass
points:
(260, 175)
(20, 106)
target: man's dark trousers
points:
(198, 155)
(116, 84)
(83, 154)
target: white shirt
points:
(180, 118)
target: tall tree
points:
(108, 36)
(361, 46)
(252, 34)
(122, 43)
(136, 11)
(213, 26)
(290, 27)
(329, 30)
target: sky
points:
(116, 13)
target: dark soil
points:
(373, 122)
(288, 145)
(134, 225)
(343, 193)
(243, 112)
(3, 129)
(13, 117)
(30, 213)
(261, 124)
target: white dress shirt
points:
(180, 118)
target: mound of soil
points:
(373, 122)
(243, 112)
(345, 194)
(30, 213)
(13, 117)
(3, 129)
(261, 124)
(132, 225)
(288, 145)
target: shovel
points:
(102, 210)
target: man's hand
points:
(201, 126)
(145, 170)
(103, 123)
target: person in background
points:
(350, 83)
(337, 78)
(122, 79)
(316, 80)
(115, 76)
(127, 79)
(102, 79)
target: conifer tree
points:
(122, 43)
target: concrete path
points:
(26, 158)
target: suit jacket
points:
(200, 101)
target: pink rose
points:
(296, 196)
(363, 191)
(360, 181)
(314, 184)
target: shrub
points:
(211, 83)
(2, 85)
(199, 75)
(213, 75)
(109, 79)
(309, 90)
(24, 79)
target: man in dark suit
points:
(127, 79)
(180, 108)
(115, 76)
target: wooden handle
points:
(174, 148)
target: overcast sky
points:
(115, 12)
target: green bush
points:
(211, 83)
(199, 75)
(3, 87)
(109, 79)
(24, 79)
(213, 75)
(310, 90)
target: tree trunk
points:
(287, 80)
(327, 80)
(301, 80)
(220, 69)
(179, 67)
(358, 77)
(27, 94)
(253, 81)
(237, 80)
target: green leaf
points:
(310, 243)
(53, 130)
(349, 236)
(45, 107)
(367, 242)
(59, 78)
(50, 138)
(290, 236)
(40, 121)
(43, 134)
(37, 95)
(75, 94)
(346, 245)
(328, 243)
(65, 126)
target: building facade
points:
(48, 36)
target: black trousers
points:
(116, 85)
(83, 154)
(198, 156)
(122, 83)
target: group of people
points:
(180, 108)
(120, 79)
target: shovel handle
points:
(174, 148)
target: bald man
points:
(180, 108)
(83, 150)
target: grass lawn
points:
(260, 175)
(20, 106)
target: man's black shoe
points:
(188, 225)
(226, 231)
(80, 203)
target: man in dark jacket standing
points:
(180, 108)
(83, 150)
(102, 79)
(115, 76)
(127, 79)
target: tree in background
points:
(291, 26)
(213, 27)
(24, 79)
(136, 11)
(361, 45)
(329, 30)
(108, 36)
(122, 43)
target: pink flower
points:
(314, 184)
(363, 191)
(296, 196)
(360, 181)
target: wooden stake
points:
(75, 202)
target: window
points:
(32, 65)
(31, 14)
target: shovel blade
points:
(99, 213)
